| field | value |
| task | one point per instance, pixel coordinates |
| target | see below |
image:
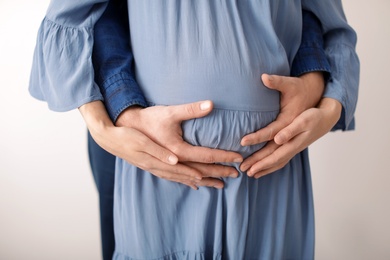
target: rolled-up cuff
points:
(120, 92)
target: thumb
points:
(192, 110)
(275, 82)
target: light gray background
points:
(48, 202)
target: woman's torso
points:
(187, 51)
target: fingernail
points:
(233, 175)
(250, 173)
(218, 186)
(238, 160)
(270, 78)
(172, 159)
(205, 105)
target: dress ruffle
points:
(62, 72)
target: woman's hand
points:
(303, 131)
(296, 95)
(293, 130)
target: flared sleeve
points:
(340, 49)
(62, 73)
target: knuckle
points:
(190, 109)
(275, 160)
(304, 121)
(208, 158)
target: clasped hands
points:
(151, 138)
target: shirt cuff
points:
(309, 58)
(120, 92)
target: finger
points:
(276, 82)
(258, 156)
(178, 172)
(265, 134)
(279, 158)
(141, 143)
(265, 172)
(297, 126)
(211, 182)
(189, 184)
(191, 110)
(159, 152)
(271, 163)
(187, 152)
(214, 170)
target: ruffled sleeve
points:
(62, 72)
(340, 49)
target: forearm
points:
(99, 124)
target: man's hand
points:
(303, 131)
(151, 139)
(163, 125)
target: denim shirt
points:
(114, 65)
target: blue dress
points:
(188, 51)
(209, 50)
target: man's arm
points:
(113, 62)
(340, 49)
(337, 106)
(310, 68)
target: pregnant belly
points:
(227, 88)
(223, 129)
(242, 104)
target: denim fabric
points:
(103, 168)
(113, 61)
(311, 55)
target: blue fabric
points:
(113, 57)
(205, 49)
(62, 71)
(311, 55)
(113, 61)
(103, 168)
(65, 38)
(212, 53)
(339, 42)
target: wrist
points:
(129, 117)
(314, 78)
(95, 116)
(314, 83)
(332, 106)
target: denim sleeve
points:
(340, 49)
(311, 54)
(113, 61)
